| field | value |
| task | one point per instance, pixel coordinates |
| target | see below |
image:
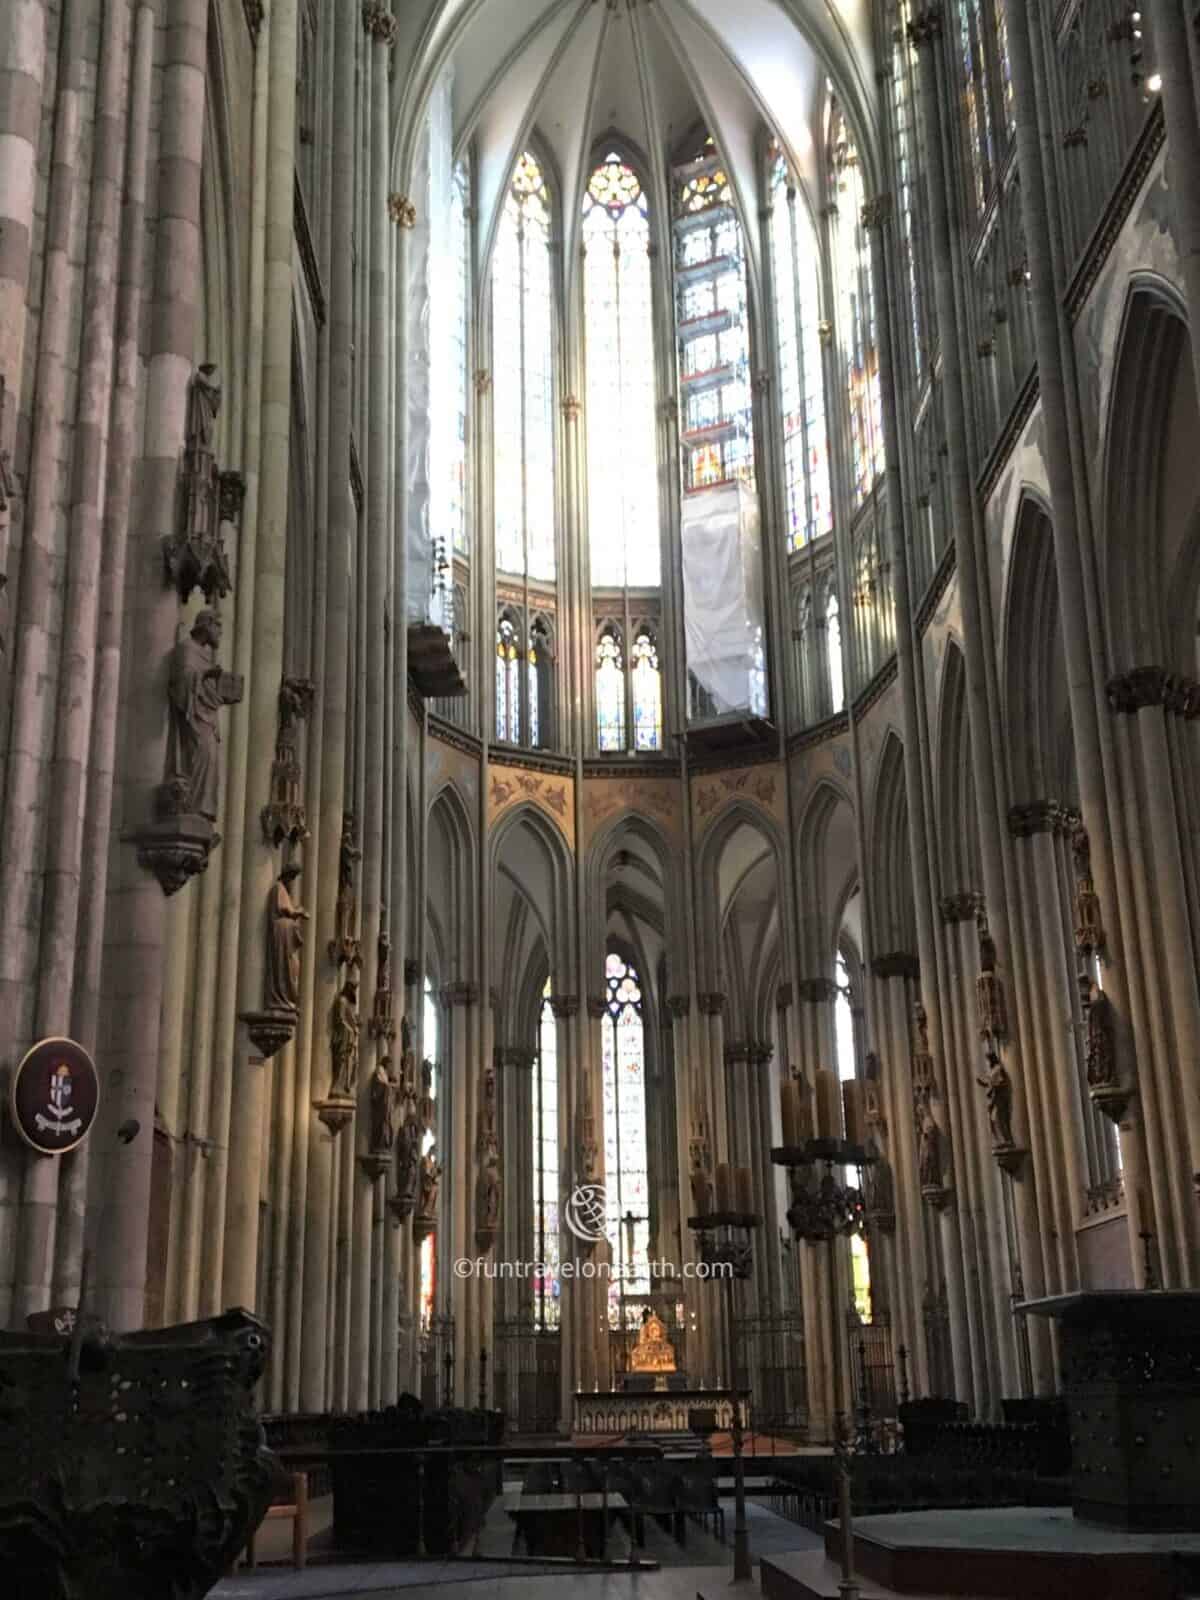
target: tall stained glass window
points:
(610, 692)
(907, 143)
(647, 695)
(523, 378)
(717, 423)
(508, 683)
(847, 1059)
(627, 1184)
(856, 309)
(620, 408)
(545, 1170)
(430, 1042)
(796, 266)
(977, 113)
(833, 645)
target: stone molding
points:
(564, 1006)
(712, 1003)
(1041, 816)
(816, 991)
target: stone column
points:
(333, 697)
(122, 451)
(566, 1025)
(22, 73)
(137, 907)
(268, 573)
(1176, 58)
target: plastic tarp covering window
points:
(428, 264)
(722, 594)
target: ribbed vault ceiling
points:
(568, 73)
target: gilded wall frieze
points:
(762, 786)
(554, 795)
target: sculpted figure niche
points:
(285, 941)
(197, 688)
(343, 1040)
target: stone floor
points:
(681, 1573)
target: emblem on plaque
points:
(54, 1095)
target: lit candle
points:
(806, 1111)
(852, 1105)
(791, 1113)
(829, 1105)
(744, 1186)
(724, 1186)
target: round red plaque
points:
(54, 1095)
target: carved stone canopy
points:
(283, 817)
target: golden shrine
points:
(653, 1351)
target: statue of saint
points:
(385, 1100)
(487, 1207)
(427, 1109)
(998, 1086)
(408, 1158)
(702, 1186)
(285, 940)
(878, 1192)
(929, 1159)
(197, 688)
(343, 1040)
(430, 1178)
(343, 947)
(1100, 1047)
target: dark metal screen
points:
(770, 1363)
(526, 1377)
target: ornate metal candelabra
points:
(826, 1208)
(726, 1244)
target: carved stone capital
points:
(402, 211)
(896, 964)
(926, 27)
(269, 1031)
(937, 1195)
(1154, 686)
(784, 997)
(597, 1006)
(816, 991)
(379, 23)
(738, 1051)
(877, 212)
(412, 972)
(961, 907)
(564, 1006)
(231, 496)
(825, 332)
(483, 381)
(572, 408)
(761, 1052)
(679, 1005)
(1041, 816)
(254, 17)
(712, 1003)
(460, 994)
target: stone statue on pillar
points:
(343, 1040)
(197, 688)
(487, 1200)
(429, 1183)
(385, 1104)
(998, 1089)
(285, 941)
(700, 1179)
(344, 948)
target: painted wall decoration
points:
(762, 785)
(555, 795)
(659, 799)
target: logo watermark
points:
(586, 1212)
(604, 1271)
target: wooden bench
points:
(296, 1507)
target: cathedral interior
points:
(595, 596)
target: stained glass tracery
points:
(796, 266)
(523, 378)
(626, 1162)
(856, 309)
(647, 694)
(610, 692)
(546, 1169)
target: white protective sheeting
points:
(722, 593)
